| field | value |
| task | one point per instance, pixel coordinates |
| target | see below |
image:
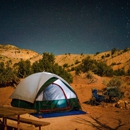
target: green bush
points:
(65, 65)
(107, 55)
(97, 53)
(115, 82)
(119, 72)
(113, 63)
(113, 51)
(76, 62)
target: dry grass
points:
(120, 59)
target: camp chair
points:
(96, 98)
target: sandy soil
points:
(100, 117)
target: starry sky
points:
(65, 26)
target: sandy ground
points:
(102, 117)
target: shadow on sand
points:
(98, 125)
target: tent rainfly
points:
(45, 92)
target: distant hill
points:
(120, 59)
(15, 54)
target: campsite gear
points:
(45, 92)
(8, 111)
(59, 114)
(111, 94)
(96, 98)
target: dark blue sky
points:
(65, 26)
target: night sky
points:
(65, 26)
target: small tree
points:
(126, 49)
(103, 57)
(82, 54)
(65, 65)
(128, 72)
(113, 51)
(24, 68)
(97, 53)
(7, 75)
(107, 55)
(76, 62)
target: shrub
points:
(72, 69)
(118, 63)
(89, 75)
(119, 72)
(107, 55)
(82, 54)
(128, 72)
(126, 49)
(76, 62)
(113, 63)
(65, 65)
(97, 53)
(113, 51)
(115, 82)
(102, 57)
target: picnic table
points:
(7, 111)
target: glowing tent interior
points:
(45, 92)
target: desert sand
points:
(102, 117)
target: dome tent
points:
(45, 92)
